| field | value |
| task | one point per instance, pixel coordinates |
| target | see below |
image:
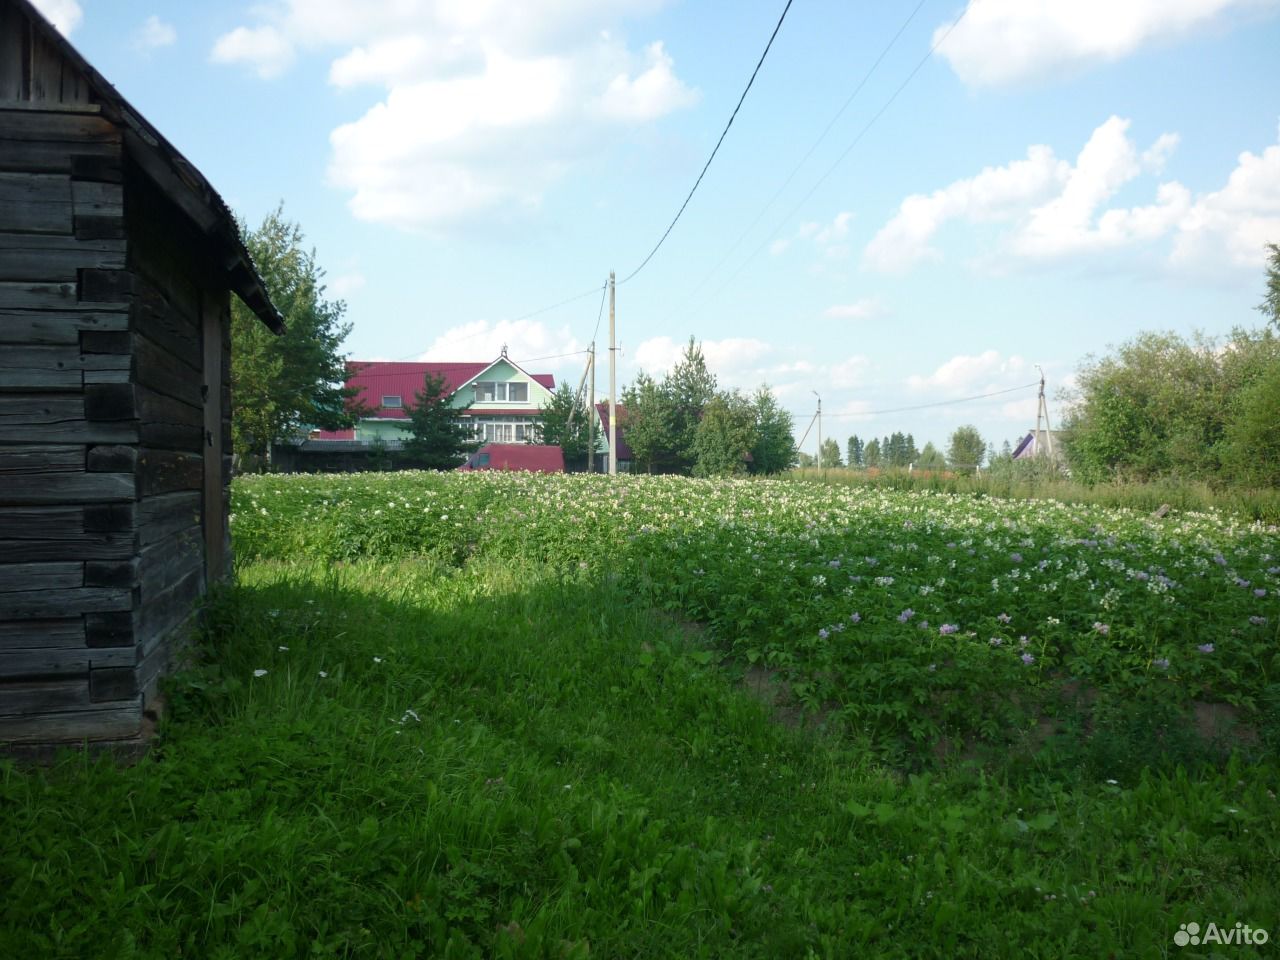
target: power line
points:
(554, 356)
(809, 153)
(840, 159)
(723, 134)
(940, 403)
(600, 313)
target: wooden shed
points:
(117, 259)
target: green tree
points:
(439, 441)
(649, 425)
(1251, 449)
(871, 453)
(829, 454)
(690, 386)
(774, 448)
(854, 458)
(805, 460)
(931, 458)
(564, 425)
(282, 384)
(1270, 305)
(725, 435)
(967, 449)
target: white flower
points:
(282, 648)
(323, 674)
(259, 673)
(377, 659)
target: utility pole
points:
(819, 396)
(591, 411)
(1043, 410)
(613, 386)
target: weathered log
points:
(35, 203)
(21, 577)
(55, 259)
(42, 604)
(160, 517)
(102, 723)
(58, 488)
(50, 634)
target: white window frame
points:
(393, 402)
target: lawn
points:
(563, 717)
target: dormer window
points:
(394, 403)
(488, 391)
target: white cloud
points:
(487, 105)
(965, 373)
(997, 193)
(524, 340)
(1007, 41)
(1058, 209)
(828, 238)
(155, 33)
(267, 50)
(864, 309)
(65, 15)
(649, 95)
(1236, 222)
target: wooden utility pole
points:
(613, 386)
(1042, 410)
(591, 411)
(819, 396)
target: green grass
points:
(515, 759)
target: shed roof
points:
(174, 174)
(536, 457)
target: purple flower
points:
(834, 564)
(1219, 559)
(855, 618)
(1004, 617)
(1205, 648)
(1015, 557)
(1102, 628)
(822, 634)
(1258, 621)
(1259, 592)
(923, 624)
(948, 628)
(995, 641)
(1028, 659)
(1241, 582)
(1161, 663)
(906, 615)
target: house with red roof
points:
(498, 399)
(534, 457)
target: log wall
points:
(103, 287)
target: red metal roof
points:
(376, 379)
(535, 457)
(624, 451)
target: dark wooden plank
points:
(110, 517)
(31, 523)
(107, 376)
(169, 424)
(167, 471)
(109, 629)
(39, 381)
(47, 634)
(20, 577)
(49, 258)
(13, 28)
(46, 696)
(53, 369)
(166, 326)
(163, 564)
(46, 70)
(104, 722)
(171, 436)
(35, 203)
(87, 546)
(68, 128)
(111, 286)
(110, 401)
(111, 573)
(42, 604)
(113, 683)
(117, 458)
(40, 662)
(77, 157)
(163, 613)
(164, 372)
(39, 328)
(118, 342)
(90, 199)
(59, 488)
(160, 517)
(69, 431)
(98, 228)
(41, 460)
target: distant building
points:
(1046, 443)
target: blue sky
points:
(1058, 176)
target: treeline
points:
(684, 423)
(1167, 407)
(965, 452)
